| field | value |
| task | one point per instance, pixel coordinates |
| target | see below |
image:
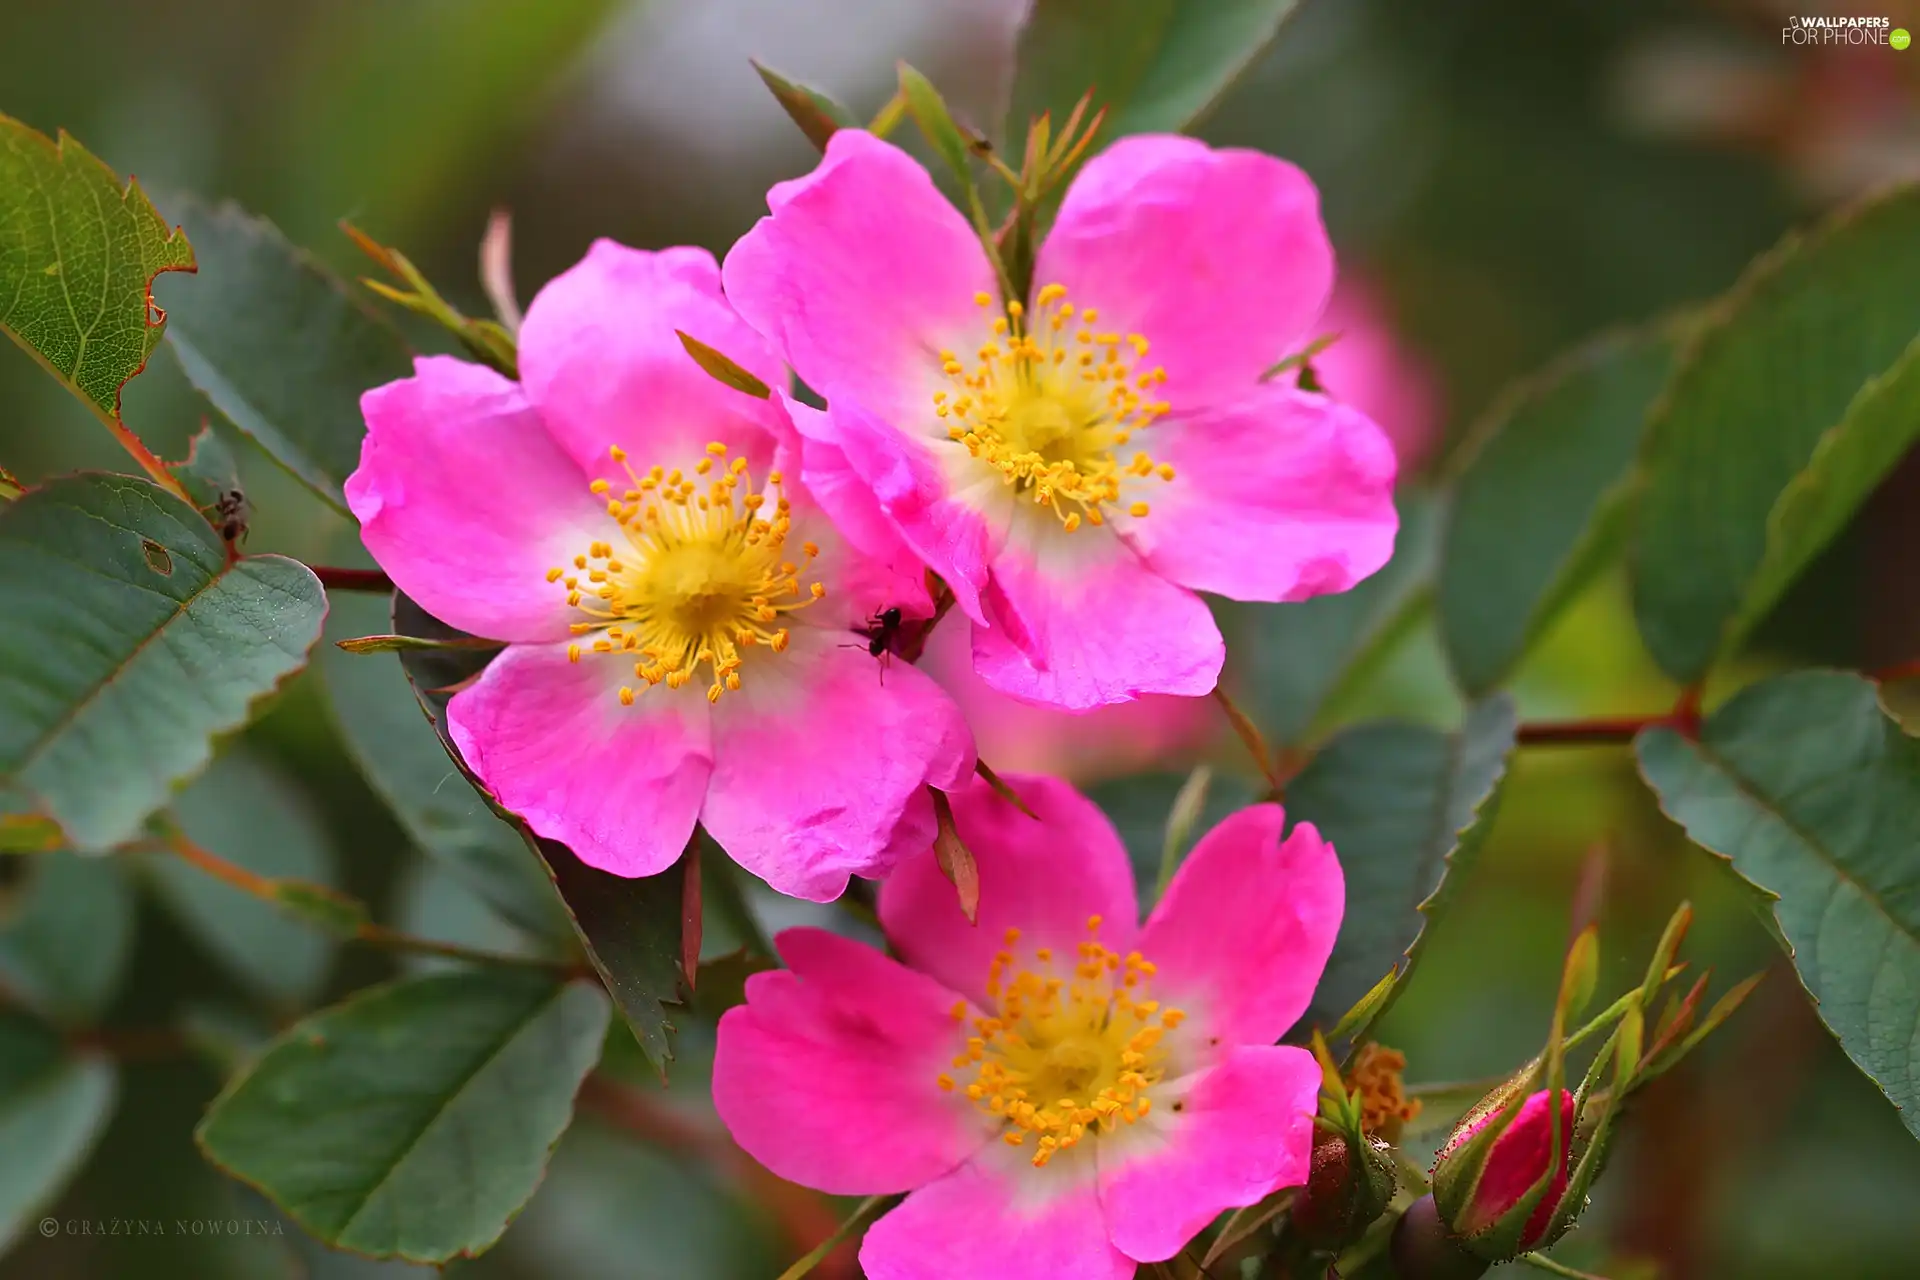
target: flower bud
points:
(1343, 1195)
(1488, 1179)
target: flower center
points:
(703, 575)
(1051, 403)
(1063, 1055)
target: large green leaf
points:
(1139, 806)
(403, 761)
(1535, 504)
(1813, 792)
(630, 928)
(414, 1120)
(1802, 344)
(1291, 659)
(1407, 809)
(128, 641)
(1155, 65)
(66, 936)
(53, 1106)
(279, 346)
(78, 253)
(1881, 425)
(250, 814)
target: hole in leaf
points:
(157, 558)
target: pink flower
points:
(1075, 465)
(677, 614)
(1370, 368)
(1062, 1092)
(1518, 1158)
(1156, 731)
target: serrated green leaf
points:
(53, 1106)
(1776, 366)
(1812, 792)
(818, 116)
(630, 928)
(414, 1120)
(1537, 496)
(247, 812)
(1407, 809)
(128, 643)
(403, 760)
(1289, 660)
(78, 253)
(1155, 65)
(279, 346)
(211, 477)
(65, 942)
(1879, 428)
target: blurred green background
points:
(1509, 176)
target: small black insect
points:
(231, 512)
(880, 630)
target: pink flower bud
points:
(1518, 1158)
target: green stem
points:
(820, 1251)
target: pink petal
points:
(1218, 258)
(1372, 369)
(600, 358)
(466, 502)
(860, 276)
(1043, 877)
(1246, 926)
(956, 534)
(1076, 621)
(620, 786)
(999, 1218)
(827, 1074)
(1243, 1130)
(1013, 736)
(820, 755)
(1282, 495)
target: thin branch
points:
(270, 890)
(1541, 1262)
(1586, 733)
(337, 579)
(832, 1242)
(1249, 734)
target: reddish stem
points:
(1583, 733)
(337, 579)
(1907, 670)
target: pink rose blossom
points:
(677, 613)
(1078, 464)
(1155, 731)
(1062, 1092)
(1370, 368)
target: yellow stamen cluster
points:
(1050, 403)
(1385, 1108)
(1065, 1053)
(703, 575)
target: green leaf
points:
(248, 813)
(929, 111)
(211, 477)
(1407, 808)
(818, 116)
(1139, 807)
(65, 941)
(414, 1120)
(402, 759)
(1155, 65)
(279, 346)
(1291, 659)
(722, 368)
(78, 253)
(1537, 503)
(1881, 425)
(1812, 792)
(630, 928)
(53, 1106)
(128, 643)
(1783, 360)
